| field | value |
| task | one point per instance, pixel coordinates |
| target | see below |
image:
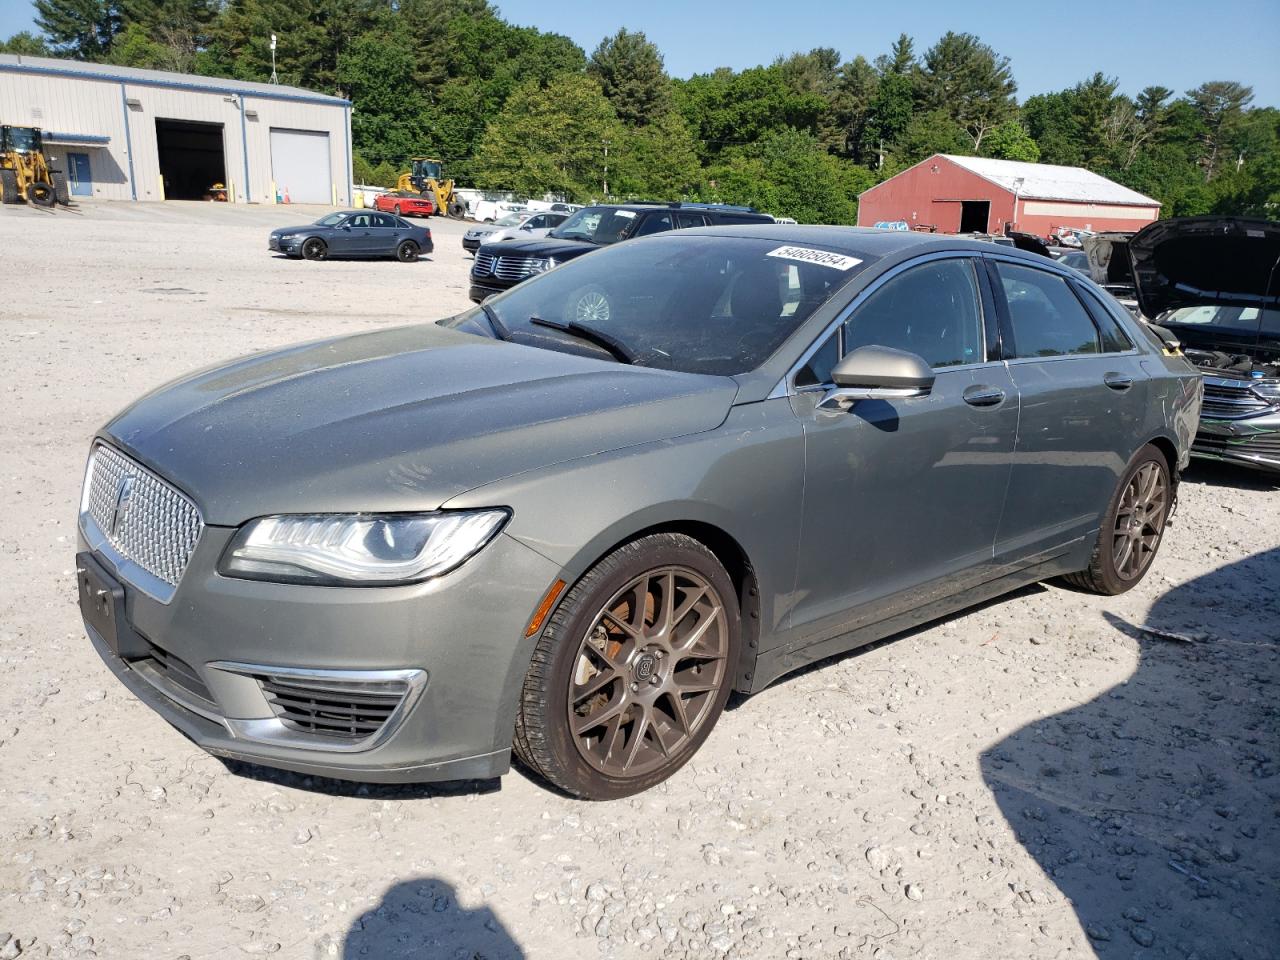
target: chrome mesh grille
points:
(155, 526)
(1224, 399)
(516, 268)
(483, 266)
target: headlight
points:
(542, 266)
(359, 549)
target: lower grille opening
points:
(350, 710)
(179, 673)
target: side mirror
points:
(347, 227)
(877, 373)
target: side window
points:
(382, 220)
(1046, 317)
(933, 310)
(1114, 339)
(686, 220)
(655, 223)
(360, 220)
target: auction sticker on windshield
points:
(824, 258)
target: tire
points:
(668, 684)
(407, 252)
(41, 194)
(397, 210)
(61, 190)
(589, 305)
(9, 186)
(1137, 514)
(313, 248)
(457, 210)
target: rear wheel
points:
(313, 248)
(9, 186)
(61, 190)
(397, 210)
(41, 194)
(456, 210)
(407, 252)
(1132, 528)
(632, 670)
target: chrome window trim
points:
(273, 731)
(786, 386)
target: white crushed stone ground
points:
(1034, 779)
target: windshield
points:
(1233, 319)
(511, 220)
(696, 304)
(23, 139)
(332, 220)
(596, 224)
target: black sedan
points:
(355, 234)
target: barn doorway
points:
(974, 215)
(192, 158)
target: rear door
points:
(903, 498)
(387, 232)
(1084, 396)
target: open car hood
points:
(1108, 255)
(1205, 261)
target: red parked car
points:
(404, 204)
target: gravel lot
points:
(1038, 778)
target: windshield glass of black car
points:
(717, 305)
(597, 225)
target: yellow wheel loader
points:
(24, 170)
(424, 176)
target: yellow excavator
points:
(425, 176)
(24, 170)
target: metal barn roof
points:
(48, 66)
(1045, 181)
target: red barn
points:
(976, 194)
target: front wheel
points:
(397, 210)
(407, 252)
(315, 249)
(456, 210)
(1132, 528)
(632, 670)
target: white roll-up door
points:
(300, 165)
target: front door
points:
(79, 174)
(902, 498)
(1084, 406)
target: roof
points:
(48, 66)
(1046, 181)
(857, 241)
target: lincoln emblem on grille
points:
(124, 495)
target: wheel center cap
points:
(646, 666)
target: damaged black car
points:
(1214, 284)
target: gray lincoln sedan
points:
(571, 520)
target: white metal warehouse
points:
(125, 134)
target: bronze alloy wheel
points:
(1139, 521)
(647, 671)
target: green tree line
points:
(516, 108)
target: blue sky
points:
(1177, 43)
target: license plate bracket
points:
(102, 604)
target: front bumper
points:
(289, 246)
(1252, 442)
(469, 245)
(481, 291)
(461, 637)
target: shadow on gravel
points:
(422, 919)
(351, 788)
(1155, 808)
(1218, 474)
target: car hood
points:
(548, 247)
(1108, 255)
(1206, 261)
(401, 419)
(305, 228)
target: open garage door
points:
(300, 165)
(191, 158)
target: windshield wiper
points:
(499, 327)
(619, 351)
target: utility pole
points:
(274, 78)
(606, 169)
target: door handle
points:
(982, 396)
(1118, 381)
